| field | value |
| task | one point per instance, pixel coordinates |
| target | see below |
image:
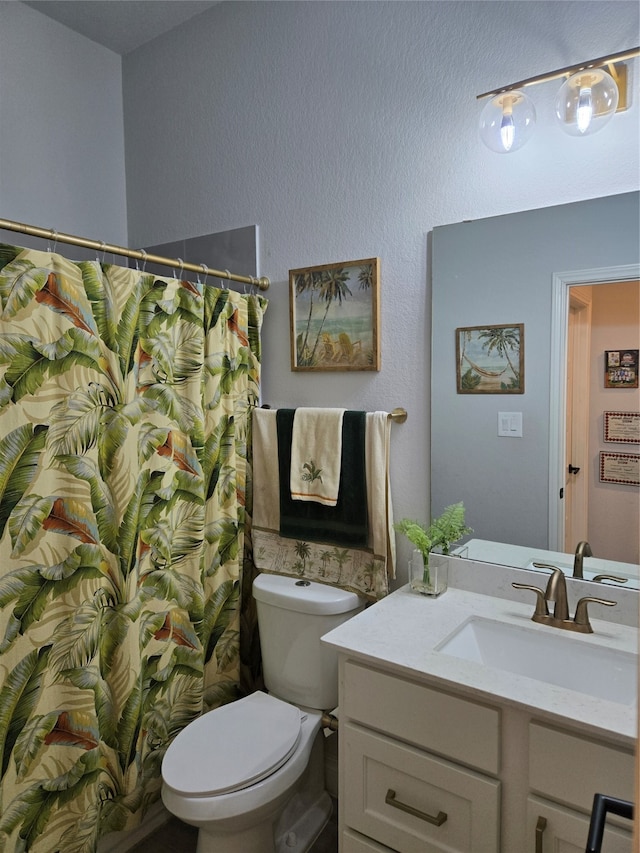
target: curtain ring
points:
(54, 237)
(144, 260)
(205, 270)
(181, 265)
(103, 248)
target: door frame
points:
(561, 282)
(578, 369)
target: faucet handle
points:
(581, 619)
(600, 578)
(554, 569)
(541, 604)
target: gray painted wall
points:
(343, 129)
(499, 270)
(61, 129)
(349, 130)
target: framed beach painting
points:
(490, 359)
(335, 316)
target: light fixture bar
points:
(562, 72)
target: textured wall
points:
(347, 130)
(61, 128)
(344, 130)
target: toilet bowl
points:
(231, 772)
(250, 775)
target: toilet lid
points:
(232, 747)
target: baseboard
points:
(331, 765)
(122, 842)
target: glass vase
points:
(431, 579)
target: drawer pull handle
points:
(390, 800)
(540, 828)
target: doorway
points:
(580, 506)
(576, 488)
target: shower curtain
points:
(125, 404)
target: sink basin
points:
(550, 655)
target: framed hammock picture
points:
(490, 359)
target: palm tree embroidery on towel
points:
(310, 472)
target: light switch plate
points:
(510, 424)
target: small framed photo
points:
(621, 368)
(335, 316)
(490, 359)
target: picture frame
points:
(490, 359)
(620, 468)
(621, 368)
(335, 316)
(622, 427)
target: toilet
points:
(250, 774)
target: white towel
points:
(366, 571)
(316, 454)
(383, 540)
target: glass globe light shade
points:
(586, 102)
(507, 122)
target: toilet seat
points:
(232, 747)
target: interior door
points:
(576, 488)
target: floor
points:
(177, 837)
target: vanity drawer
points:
(465, 731)
(572, 769)
(378, 767)
(353, 842)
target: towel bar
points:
(399, 415)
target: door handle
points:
(573, 469)
(541, 825)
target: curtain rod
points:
(139, 254)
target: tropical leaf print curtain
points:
(124, 418)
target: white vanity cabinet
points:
(553, 828)
(428, 770)
(443, 755)
(564, 773)
(418, 767)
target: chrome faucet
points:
(556, 592)
(583, 549)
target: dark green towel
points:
(344, 524)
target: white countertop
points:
(401, 631)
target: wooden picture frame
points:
(490, 359)
(621, 368)
(335, 316)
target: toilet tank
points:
(292, 617)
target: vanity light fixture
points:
(592, 92)
(587, 101)
(507, 121)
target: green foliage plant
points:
(442, 533)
